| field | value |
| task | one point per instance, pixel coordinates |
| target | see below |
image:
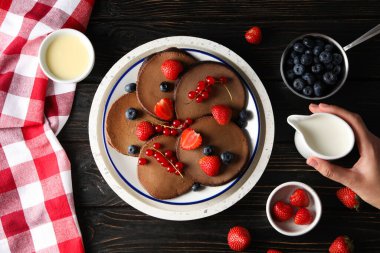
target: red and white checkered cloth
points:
(37, 211)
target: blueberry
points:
(226, 157)
(317, 50)
(131, 113)
(316, 59)
(308, 42)
(325, 57)
(298, 69)
(298, 47)
(243, 114)
(317, 68)
(298, 84)
(319, 42)
(337, 59)
(293, 54)
(131, 87)
(330, 78)
(296, 60)
(318, 89)
(309, 78)
(329, 66)
(196, 187)
(329, 47)
(133, 149)
(290, 74)
(308, 52)
(337, 69)
(306, 59)
(208, 150)
(241, 123)
(307, 91)
(165, 86)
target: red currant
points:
(223, 80)
(199, 99)
(210, 80)
(179, 165)
(184, 126)
(188, 121)
(176, 123)
(156, 145)
(168, 153)
(204, 94)
(142, 161)
(191, 94)
(155, 155)
(208, 89)
(201, 85)
(173, 132)
(158, 128)
(170, 168)
(149, 152)
(164, 163)
(166, 131)
(173, 160)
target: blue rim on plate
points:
(165, 201)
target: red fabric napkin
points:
(37, 211)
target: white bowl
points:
(283, 192)
(45, 44)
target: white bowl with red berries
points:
(293, 208)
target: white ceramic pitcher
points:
(322, 135)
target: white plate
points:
(120, 171)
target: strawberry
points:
(299, 198)
(342, 244)
(190, 139)
(171, 69)
(303, 217)
(349, 198)
(253, 35)
(273, 251)
(221, 113)
(282, 211)
(238, 238)
(210, 165)
(164, 109)
(144, 130)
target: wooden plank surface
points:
(109, 224)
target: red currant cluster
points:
(166, 159)
(203, 89)
(168, 129)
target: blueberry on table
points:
(308, 42)
(325, 57)
(165, 86)
(307, 91)
(317, 50)
(226, 157)
(329, 47)
(298, 47)
(337, 69)
(196, 187)
(208, 150)
(337, 59)
(133, 149)
(298, 69)
(290, 74)
(306, 59)
(318, 89)
(317, 68)
(329, 66)
(131, 87)
(319, 42)
(308, 52)
(298, 84)
(309, 78)
(330, 78)
(131, 113)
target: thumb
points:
(332, 171)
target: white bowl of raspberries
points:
(293, 208)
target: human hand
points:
(364, 176)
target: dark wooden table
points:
(109, 224)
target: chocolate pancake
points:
(155, 179)
(120, 130)
(186, 108)
(223, 138)
(150, 77)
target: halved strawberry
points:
(210, 165)
(164, 109)
(221, 113)
(171, 69)
(190, 139)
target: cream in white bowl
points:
(283, 193)
(66, 56)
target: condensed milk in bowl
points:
(322, 135)
(66, 56)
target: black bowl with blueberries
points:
(314, 66)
